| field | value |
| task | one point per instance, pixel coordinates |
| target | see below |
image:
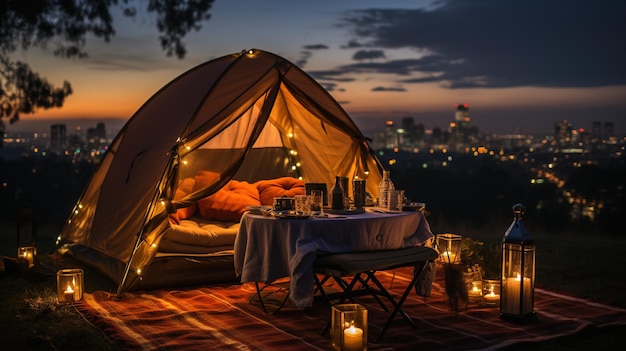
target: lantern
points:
(349, 327)
(449, 246)
(70, 285)
(28, 255)
(491, 292)
(474, 282)
(517, 282)
(27, 238)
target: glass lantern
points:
(27, 238)
(491, 292)
(474, 282)
(70, 285)
(517, 283)
(349, 327)
(449, 246)
(28, 255)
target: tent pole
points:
(173, 156)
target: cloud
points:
(306, 55)
(368, 55)
(332, 75)
(316, 47)
(304, 58)
(388, 89)
(124, 62)
(491, 44)
(352, 44)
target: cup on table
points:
(316, 200)
(358, 192)
(395, 200)
(283, 203)
(302, 204)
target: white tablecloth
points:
(268, 248)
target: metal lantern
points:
(349, 327)
(70, 285)
(518, 271)
(449, 246)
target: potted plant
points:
(478, 261)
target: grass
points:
(31, 318)
(579, 264)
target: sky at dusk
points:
(521, 65)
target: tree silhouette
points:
(65, 24)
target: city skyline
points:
(520, 68)
(114, 125)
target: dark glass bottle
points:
(337, 195)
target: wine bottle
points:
(337, 195)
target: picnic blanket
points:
(228, 317)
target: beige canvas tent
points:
(248, 116)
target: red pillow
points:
(285, 186)
(230, 202)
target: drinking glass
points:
(395, 200)
(317, 200)
(302, 204)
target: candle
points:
(491, 295)
(69, 294)
(28, 256)
(353, 338)
(476, 291)
(27, 253)
(511, 295)
(449, 257)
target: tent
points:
(248, 116)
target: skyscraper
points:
(58, 137)
(461, 131)
(563, 133)
(96, 137)
(390, 135)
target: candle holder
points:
(349, 327)
(449, 246)
(491, 292)
(474, 282)
(70, 285)
(27, 255)
(26, 238)
(517, 283)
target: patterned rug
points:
(230, 318)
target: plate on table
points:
(259, 210)
(346, 211)
(413, 206)
(291, 215)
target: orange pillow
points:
(205, 178)
(285, 186)
(202, 179)
(230, 202)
